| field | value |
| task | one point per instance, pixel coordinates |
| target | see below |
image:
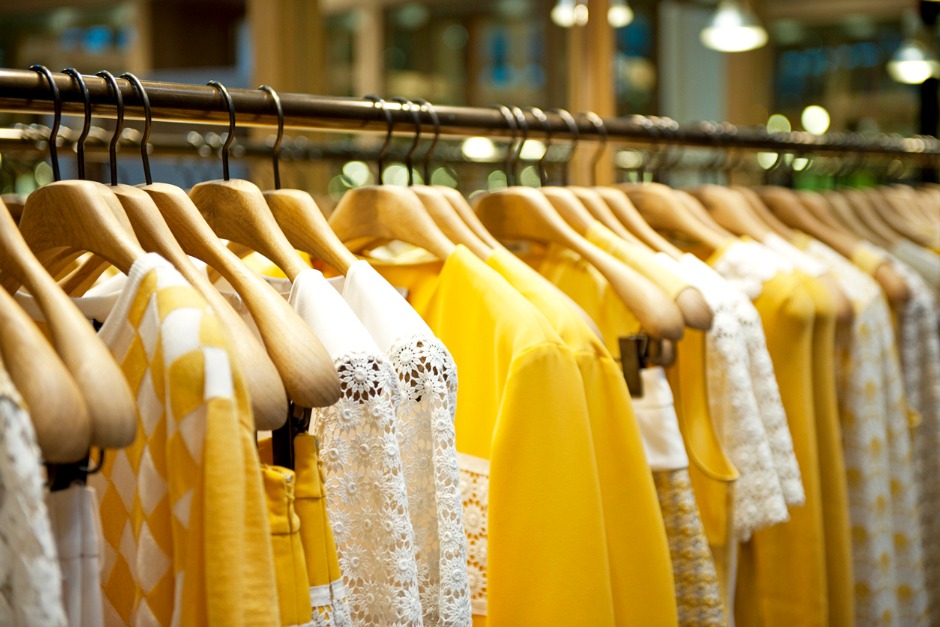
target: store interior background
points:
(830, 54)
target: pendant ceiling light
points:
(914, 61)
(568, 13)
(619, 14)
(733, 28)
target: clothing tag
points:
(632, 360)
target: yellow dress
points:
(834, 490)
(528, 471)
(309, 582)
(182, 508)
(782, 571)
(589, 289)
(640, 571)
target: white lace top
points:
(427, 378)
(886, 550)
(759, 499)
(367, 502)
(748, 265)
(30, 578)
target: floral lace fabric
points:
(427, 379)
(919, 345)
(30, 577)
(886, 537)
(367, 501)
(474, 493)
(758, 494)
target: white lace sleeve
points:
(758, 495)
(770, 404)
(30, 578)
(428, 380)
(367, 503)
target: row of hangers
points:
(81, 398)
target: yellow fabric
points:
(638, 258)
(521, 407)
(182, 507)
(711, 473)
(832, 477)
(289, 564)
(640, 571)
(867, 258)
(782, 571)
(315, 531)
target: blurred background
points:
(833, 65)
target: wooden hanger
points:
(304, 365)
(78, 215)
(730, 210)
(438, 207)
(695, 311)
(385, 212)
(895, 209)
(236, 210)
(844, 210)
(663, 209)
(763, 213)
(298, 215)
(524, 213)
(628, 215)
(792, 209)
(55, 402)
(265, 389)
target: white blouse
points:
(427, 378)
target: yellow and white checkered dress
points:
(182, 508)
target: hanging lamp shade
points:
(913, 63)
(733, 28)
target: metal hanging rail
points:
(25, 91)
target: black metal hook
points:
(42, 70)
(416, 116)
(231, 125)
(86, 96)
(513, 133)
(119, 123)
(572, 125)
(539, 115)
(280, 134)
(523, 125)
(380, 159)
(148, 122)
(436, 120)
(601, 129)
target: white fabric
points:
(659, 426)
(427, 378)
(794, 255)
(748, 265)
(733, 405)
(474, 492)
(881, 488)
(923, 260)
(30, 593)
(76, 526)
(367, 501)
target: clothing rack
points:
(26, 91)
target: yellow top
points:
(182, 508)
(522, 419)
(638, 258)
(782, 577)
(832, 477)
(868, 257)
(640, 571)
